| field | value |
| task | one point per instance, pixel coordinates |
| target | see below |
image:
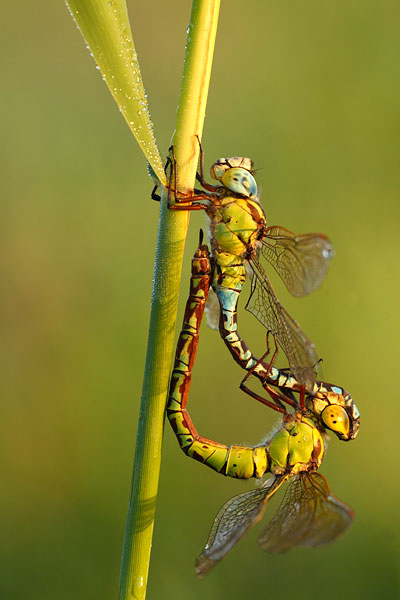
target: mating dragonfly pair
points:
(309, 514)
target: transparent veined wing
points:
(235, 517)
(309, 515)
(301, 260)
(265, 306)
(212, 309)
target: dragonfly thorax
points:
(297, 447)
(236, 226)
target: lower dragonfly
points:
(314, 397)
(309, 514)
(319, 397)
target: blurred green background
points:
(310, 90)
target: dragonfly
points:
(317, 398)
(309, 514)
(239, 237)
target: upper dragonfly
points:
(239, 234)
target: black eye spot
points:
(334, 421)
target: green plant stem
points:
(167, 271)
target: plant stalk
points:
(167, 272)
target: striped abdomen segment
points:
(234, 461)
(228, 299)
(316, 399)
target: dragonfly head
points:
(354, 415)
(236, 175)
(337, 412)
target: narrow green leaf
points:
(105, 27)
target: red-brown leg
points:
(278, 406)
(278, 398)
(182, 200)
(267, 385)
(200, 176)
(302, 396)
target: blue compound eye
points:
(217, 170)
(240, 181)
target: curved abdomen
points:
(234, 461)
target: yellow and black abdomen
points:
(240, 462)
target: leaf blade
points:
(106, 30)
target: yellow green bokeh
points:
(311, 92)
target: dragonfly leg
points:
(268, 348)
(276, 405)
(184, 206)
(154, 195)
(266, 353)
(266, 385)
(260, 361)
(302, 396)
(276, 397)
(180, 200)
(200, 176)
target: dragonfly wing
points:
(212, 309)
(309, 515)
(235, 517)
(265, 306)
(301, 260)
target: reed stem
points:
(167, 272)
